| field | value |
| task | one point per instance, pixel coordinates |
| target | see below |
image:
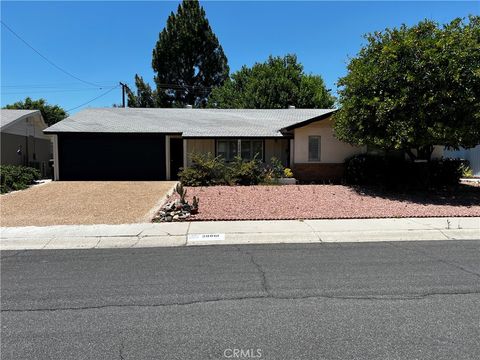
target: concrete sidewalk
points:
(237, 232)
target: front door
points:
(176, 157)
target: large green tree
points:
(274, 84)
(144, 98)
(51, 113)
(188, 61)
(413, 88)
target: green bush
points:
(467, 171)
(245, 172)
(206, 170)
(398, 173)
(17, 177)
(445, 171)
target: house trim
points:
(56, 163)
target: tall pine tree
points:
(188, 61)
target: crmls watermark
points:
(235, 353)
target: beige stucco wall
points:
(332, 150)
(277, 148)
(10, 144)
(199, 146)
(41, 147)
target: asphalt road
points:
(409, 300)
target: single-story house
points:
(23, 141)
(153, 144)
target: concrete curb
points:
(237, 232)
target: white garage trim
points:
(56, 164)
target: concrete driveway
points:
(91, 202)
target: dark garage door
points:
(111, 156)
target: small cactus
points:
(195, 202)
(181, 192)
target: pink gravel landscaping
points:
(328, 202)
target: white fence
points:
(472, 155)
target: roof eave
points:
(30, 114)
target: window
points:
(314, 148)
(246, 148)
(250, 148)
(227, 149)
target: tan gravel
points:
(91, 202)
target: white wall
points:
(437, 153)
(332, 150)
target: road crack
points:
(443, 261)
(377, 297)
(120, 350)
(259, 268)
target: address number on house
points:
(204, 237)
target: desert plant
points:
(179, 189)
(195, 202)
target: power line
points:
(95, 98)
(57, 85)
(54, 91)
(45, 58)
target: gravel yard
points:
(328, 202)
(83, 202)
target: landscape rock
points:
(175, 210)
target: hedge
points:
(17, 177)
(367, 169)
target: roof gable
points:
(10, 116)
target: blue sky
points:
(108, 42)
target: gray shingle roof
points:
(8, 116)
(189, 122)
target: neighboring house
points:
(472, 155)
(153, 144)
(23, 141)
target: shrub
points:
(288, 173)
(467, 171)
(17, 177)
(246, 172)
(206, 170)
(277, 168)
(445, 171)
(365, 169)
(398, 173)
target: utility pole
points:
(124, 87)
